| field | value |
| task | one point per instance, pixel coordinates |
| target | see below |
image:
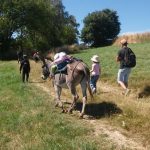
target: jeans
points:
(93, 81)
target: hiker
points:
(60, 62)
(25, 68)
(95, 72)
(125, 68)
(20, 56)
(36, 56)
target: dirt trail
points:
(113, 134)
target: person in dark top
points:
(20, 56)
(25, 68)
(36, 56)
(124, 70)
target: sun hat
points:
(123, 41)
(95, 58)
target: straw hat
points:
(95, 58)
(123, 41)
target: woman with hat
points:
(95, 72)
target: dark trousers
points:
(25, 76)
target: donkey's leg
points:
(74, 95)
(57, 96)
(84, 93)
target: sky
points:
(134, 15)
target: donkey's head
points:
(45, 72)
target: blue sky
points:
(134, 15)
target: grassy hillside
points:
(28, 119)
(135, 112)
(140, 75)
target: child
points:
(95, 72)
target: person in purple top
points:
(95, 72)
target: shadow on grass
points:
(99, 110)
(145, 92)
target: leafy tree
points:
(40, 24)
(70, 30)
(100, 27)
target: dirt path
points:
(114, 134)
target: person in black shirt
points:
(20, 56)
(124, 70)
(25, 68)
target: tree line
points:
(44, 24)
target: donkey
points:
(77, 73)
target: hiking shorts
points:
(123, 75)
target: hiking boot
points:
(127, 92)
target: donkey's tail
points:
(87, 75)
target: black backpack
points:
(130, 58)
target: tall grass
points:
(134, 38)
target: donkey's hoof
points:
(63, 111)
(81, 116)
(69, 111)
(56, 105)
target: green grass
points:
(135, 112)
(140, 74)
(28, 119)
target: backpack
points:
(130, 58)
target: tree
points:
(100, 27)
(70, 30)
(40, 24)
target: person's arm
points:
(118, 58)
(92, 69)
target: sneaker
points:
(127, 92)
